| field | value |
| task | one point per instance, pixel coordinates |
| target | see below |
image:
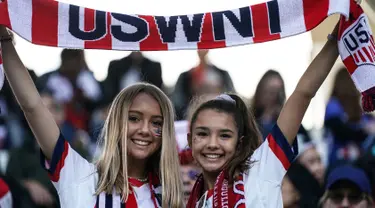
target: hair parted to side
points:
(248, 131)
(112, 168)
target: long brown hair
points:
(256, 106)
(247, 130)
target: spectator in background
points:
(130, 70)
(367, 163)
(74, 85)
(345, 124)
(202, 79)
(300, 188)
(189, 172)
(11, 131)
(310, 158)
(347, 186)
(303, 184)
(267, 102)
(31, 175)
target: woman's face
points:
(144, 127)
(270, 93)
(312, 161)
(214, 140)
(346, 195)
(289, 193)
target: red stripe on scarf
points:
(363, 59)
(350, 64)
(207, 36)
(234, 196)
(276, 149)
(262, 24)
(89, 21)
(372, 51)
(44, 30)
(89, 24)
(153, 41)
(372, 42)
(368, 54)
(4, 14)
(355, 58)
(132, 201)
(315, 12)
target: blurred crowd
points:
(341, 172)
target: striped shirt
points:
(75, 179)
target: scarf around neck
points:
(224, 195)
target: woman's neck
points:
(209, 180)
(137, 168)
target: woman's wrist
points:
(6, 38)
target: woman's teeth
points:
(142, 143)
(212, 156)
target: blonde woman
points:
(138, 164)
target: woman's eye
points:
(133, 119)
(226, 136)
(202, 134)
(157, 123)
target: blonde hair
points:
(112, 168)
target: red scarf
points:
(223, 194)
(153, 182)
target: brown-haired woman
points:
(224, 137)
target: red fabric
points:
(104, 42)
(4, 188)
(44, 29)
(55, 176)
(314, 9)
(261, 24)
(224, 195)
(276, 149)
(207, 36)
(79, 118)
(186, 157)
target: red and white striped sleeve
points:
(274, 156)
(66, 166)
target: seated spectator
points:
(310, 158)
(300, 188)
(346, 127)
(347, 186)
(74, 85)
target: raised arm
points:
(39, 118)
(291, 115)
